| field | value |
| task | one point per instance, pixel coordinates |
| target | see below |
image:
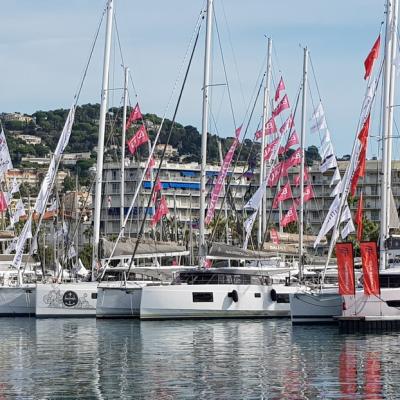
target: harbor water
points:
(211, 359)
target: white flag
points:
(327, 163)
(25, 234)
(346, 214)
(71, 251)
(12, 246)
(14, 186)
(45, 188)
(5, 159)
(338, 189)
(335, 177)
(53, 206)
(66, 133)
(368, 99)
(327, 150)
(329, 221)
(348, 228)
(327, 136)
(248, 226)
(19, 212)
(318, 112)
(318, 125)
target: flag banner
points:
(335, 177)
(65, 134)
(279, 88)
(329, 221)
(327, 136)
(282, 105)
(269, 149)
(367, 103)
(270, 128)
(161, 210)
(3, 202)
(345, 264)
(284, 194)
(327, 150)
(152, 163)
(372, 56)
(338, 189)
(133, 116)
(346, 213)
(5, 159)
(276, 172)
(369, 260)
(248, 226)
(293, 140)
(139, 138)
(53, 206)
(14, 186)
(358, 219)
(157, 189)
(328, 163)
(348, 228)
(19, 212)
(318, 125)
(291, 216)
(25, 234)
(292, 161)
(274, 235)
(308, 193)
(220, 181)
(71, 252)
(296, 179)
(359, 171)
(287, 125)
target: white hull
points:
(117, 301)
(322, 307)
(17, 301)
(66, 299)
(177, 301)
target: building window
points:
(115, 187)
(114, 174)
(374, 215)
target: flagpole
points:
(387, 128)
(122, 206)
(302, 146)
(100, 145)
(206, 100)
(262, 216)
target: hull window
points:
(203, 297)
(257, 294)
(282, 298)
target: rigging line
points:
(80, 85)
(314, 76)
(238, 157)
(147, 163)
(225, 73)
(140, 234)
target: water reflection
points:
(262, 359)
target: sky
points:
(45, 44)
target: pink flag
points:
(220, 180)
(284, 194)
(293, 140)
(237, 132)
(161, 210)
(277, 171)
(270, 128)
(3, 202)
(308, 193)
(134, 116)
(280, 87)
(296, 179)
(269, 149)
(290, 216)
(274, 236)
(157, 188)
(139, 138)
(288, 124)
(281, 150)
(294, 159)
(152, 163)
(282, 105)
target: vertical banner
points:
(345, 263)
(369, 259)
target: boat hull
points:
(17, 301)
(315, 308)
(66, 300)
(214, 301)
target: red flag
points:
(270, 128)
(290, 216)
(269, 149)
(345, 263)
(293, 140)
(281, 150)
(139, 138)
(282, 105)
(152, 163)
(280, 87)
(308, 193)
(134, 116)
(237, 131)
(358, 219)
(296, 179)
(277, 171)
(372, 56)
(294, 159)
(3, 202)
(369, 260)
(363, 134)
(288, 124)
(157, 188)
(161, 210)
(284, 194)
(274, 236)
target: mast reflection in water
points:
(263, 359)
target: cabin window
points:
(393, 303)
(258, 295)
(94, 295)
(389, 281)
(203, 297)
(282, 298)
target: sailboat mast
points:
(262, 216)
(204, 124)
(122, 206)
(100, 145)
(302, 146)
(387, 127)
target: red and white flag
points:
(308, 193)
(273, 233)
(284, 194)
(3, 202)
(369, 261)
(157, 188)
(282, 105)
(291, 216)
(296, 179)
(277, 171)
(292, 141)
(269, 149)
(294, 159)
(152, 163)
(288, 124)
(270, 128)
(161, 210)
(134, 116)
(279, 88)
(139, 138)
(372, 56)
